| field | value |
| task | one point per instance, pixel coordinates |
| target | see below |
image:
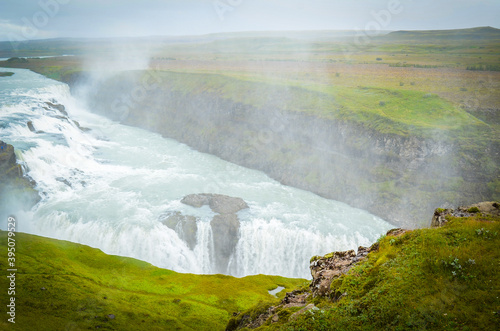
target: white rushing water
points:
(107, 188)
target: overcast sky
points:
(39, 19)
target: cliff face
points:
(16, 190)
(400, 178)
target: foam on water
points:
(107, 188)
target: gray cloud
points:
(112, 18)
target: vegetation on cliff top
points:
(434, 279)
(386, 110)
(393, 85)
(66, 286)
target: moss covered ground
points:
(444, 278)
(66, 286)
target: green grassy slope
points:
(66, 286)
(387, 110)
(429, 279)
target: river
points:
(107, 187)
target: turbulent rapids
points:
(107, 185)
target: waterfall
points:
(105, 185)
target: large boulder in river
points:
(219, 203)
(225, 226)
(31, 126)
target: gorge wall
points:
(399, 178)
(16, 190)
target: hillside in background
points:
(480, 33)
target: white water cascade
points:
(108, 186)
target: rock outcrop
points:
(31, 126)
(226, 233)
(57, 106)
(491, 208)
(184, 225)
(324, 270)
(331, 266)
(294, 299)
(7, 157)
(16, 190)
(225, 225)
(219, 203)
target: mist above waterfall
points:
(243, 98)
